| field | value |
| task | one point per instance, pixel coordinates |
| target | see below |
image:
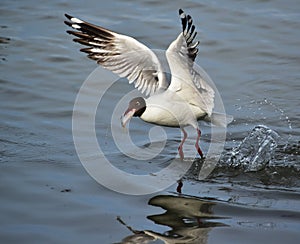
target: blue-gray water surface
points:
(251, 51)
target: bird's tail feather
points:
(219, 119)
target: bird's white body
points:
(168, 109)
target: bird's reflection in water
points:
(189, 218)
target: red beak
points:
(127, 116)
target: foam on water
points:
(256, 149)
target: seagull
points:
(181, 102)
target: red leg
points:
(181, 144)
(197, 144)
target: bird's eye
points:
(138, 103)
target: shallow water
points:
(250, 50)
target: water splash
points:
(256, 149)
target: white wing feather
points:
(121, 54)
(186, 81)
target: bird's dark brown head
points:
(136, 108)
(139, 105)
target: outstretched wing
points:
(186, 81)
(121, 54)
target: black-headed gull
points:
(187, 99)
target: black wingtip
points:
(68, 16)
(68, 23)
(86, 50)
(189, 18)
(183, 19)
